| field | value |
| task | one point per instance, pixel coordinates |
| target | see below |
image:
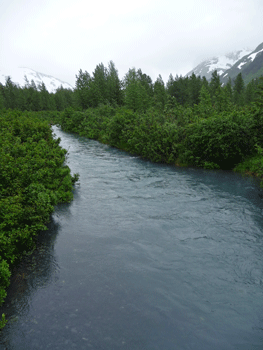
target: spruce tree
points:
(214, 84)
(10, 94)
(239, 87)
(160, 95)
(115, 95)
(205, 105)
(83, 90)
(2, 103)
(194, 89)
(250, 92)
(136, 96)
(99, 86)
(229, 89)
(44, 97)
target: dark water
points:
(146, 257)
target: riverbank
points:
(33, 179)
(146, 256)
(180, 136)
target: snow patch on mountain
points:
(253, 55)
(18, 77)
(241, 65)
(220, 63)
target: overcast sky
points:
(59, 37)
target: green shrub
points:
(33, 178)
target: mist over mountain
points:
(250, 66)
(247, 62)
(220, 63)
(18, 77)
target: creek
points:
(146, 256)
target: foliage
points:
(253, 165)
(206, 135)
(223, 140)
(135, 91)
(33, 178)
(3, 321)
(189, 121)
(239, 89)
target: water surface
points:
(147, 256)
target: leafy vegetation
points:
(190, 121)
(33, 179)
(220, 130)
(3, 321)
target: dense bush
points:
(33, 178)
(179, 135)
(220, 142)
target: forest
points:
(188, 121)
(136, 91)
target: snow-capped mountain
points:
(220, 63)
(250, 66)
(18, 77)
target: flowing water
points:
(147, 256)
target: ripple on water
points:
(147, 256)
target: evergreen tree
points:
(221, 100)
(259, 94)
(114, 90)
(170, 85)
(99, 86)
(205, 83)
(146, 82)
(2, 102)
(44, 100)
(60, 99)
(229, 90)
(52, 102)
(160, 95)
(22, 103)
(239, 87)
(195, 84)
(214, 85)
(179, 89)
(33, 99)
(10, 94)
(250, 92)
(205, 105)
(136, 97)
(83, 90)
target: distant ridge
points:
(18, 77)
(247, 62)
(250, 66)
(220, 63)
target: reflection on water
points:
(147, 256)
(36, 271)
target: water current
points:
(146, 256)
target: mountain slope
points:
(18, 77)
(250, 66)
(220, 63)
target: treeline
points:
(188, 121)
(33, 179)
(33, 98)
(207, 135)
(135, 91)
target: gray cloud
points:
(160, 37)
